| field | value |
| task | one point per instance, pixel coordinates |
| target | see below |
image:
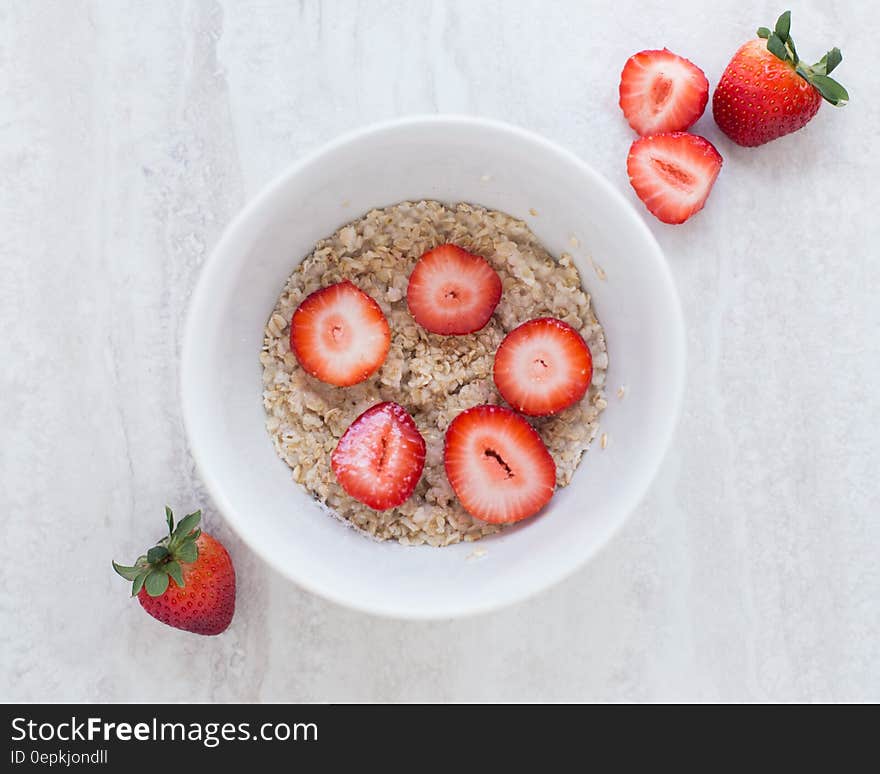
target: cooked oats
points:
(434, 377)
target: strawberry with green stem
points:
(768, 91)
(186, 580)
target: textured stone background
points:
(131, 132)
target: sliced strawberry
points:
(543, 366)
(379, 459)
(673, 173)
(498, 465)
(662, 92)
(340, 335)
(452, 291)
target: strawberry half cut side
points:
(673, 173)
(340, 335)
(498, 465)
(452, 291)
(542, 367)
(380, 457)
(662, 92)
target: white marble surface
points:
(131, 132)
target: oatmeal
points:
(434, 377)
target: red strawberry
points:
(673, 173)
(340, 335)
(767, 92)
(543, 366)
(662, 92)
(452, 291)
(498, 465)
(187, 580)
(379, 459)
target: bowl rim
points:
(677, 354)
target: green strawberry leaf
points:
(776, 47)
(188, 524)
(156, 583)
(792, 49)
(763, 32)
(139, 582)
(832, 59)
(188, 552)
(830, 90)
(156, 554)
(153, 570)
(783, 26)
(129, 573)
(175, 571)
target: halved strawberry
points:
(452, 291)
(543, 366)
(673, 173)
(498, 465)
(379, 459)
(340, 335)
(662, 92)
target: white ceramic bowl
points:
(451, 159)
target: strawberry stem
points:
(781, 45)
(162, 562)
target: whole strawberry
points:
(767, 91)
(187, 580)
